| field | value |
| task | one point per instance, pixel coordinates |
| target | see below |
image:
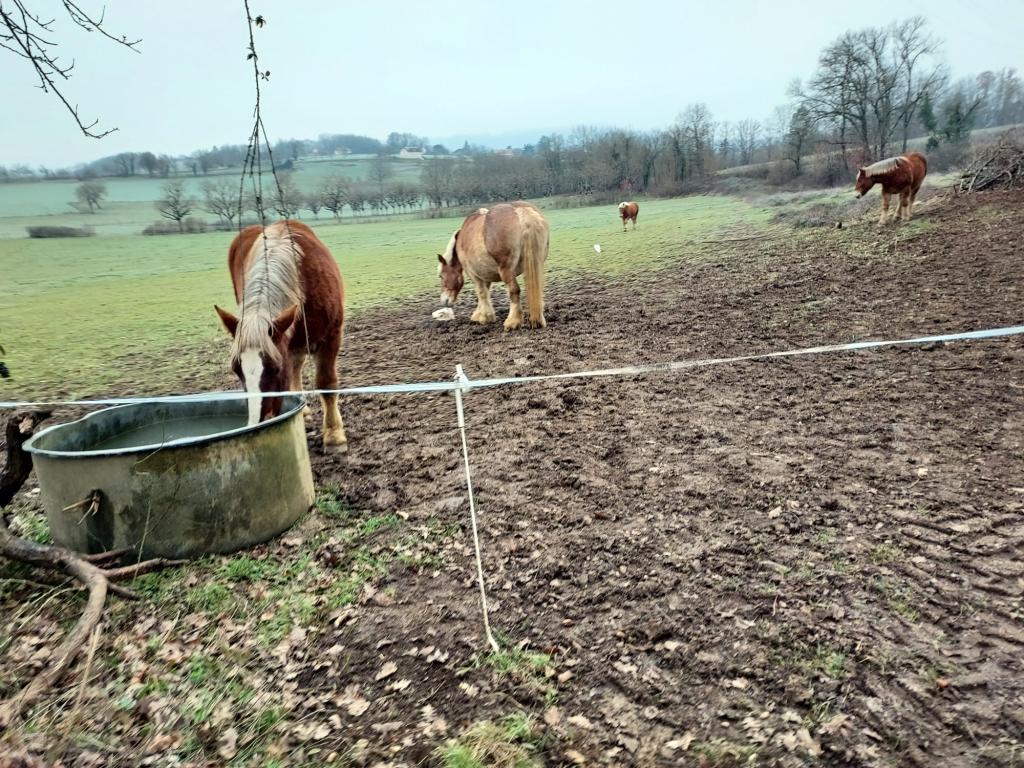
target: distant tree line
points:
(874, 91)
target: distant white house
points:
(412, 153)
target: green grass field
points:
(87, 315)
(129, 204)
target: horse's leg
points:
(904, 205)
(327, 378)
(634, 223)
(484, 312)
(515, 307)
(624, 220)
(885, 209)
(295, 379)
(910, 205)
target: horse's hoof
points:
(336, 448)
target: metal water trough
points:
(173, 479)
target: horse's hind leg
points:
(484, 312)
(515, 307)
(885, 209)
(327, 378)
(904, 211)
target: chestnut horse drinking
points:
(291, 301)
(628, 212)
(498, 244)
(901, 176)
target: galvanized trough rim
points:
(180, 442)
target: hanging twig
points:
(29, 37)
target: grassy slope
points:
(80, 316)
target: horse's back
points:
(320, 279)
(238, 257)
(322, 284)
(919, 166)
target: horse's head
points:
(261, 359)
(864, 183)
(450, 270)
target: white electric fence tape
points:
(468, 384)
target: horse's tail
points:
(534, 253)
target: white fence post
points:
(460, 377)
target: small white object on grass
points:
(597, 248)
(444, 313)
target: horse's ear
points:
(441, 259)
(283, 322)
(230, 321)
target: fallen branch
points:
(738, 239)
(87, 569)
(1000, 166)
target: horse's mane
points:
(272, 285)
(448, 251)
(882, 166)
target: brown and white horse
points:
(498, 244)
(901, 176)
(628, 212)
(291, 301)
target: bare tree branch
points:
(28, 36)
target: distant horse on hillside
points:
(498, 244)
(628, 212)
(901, 175)
(291, 299)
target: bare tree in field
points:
(913, 43)
(91, 194)
(334, 193)
(174, 204)
(380, 172)
(436, 178)
(870, 83)
(126, 163)
(221, 199)
(149, 162)
(288, 200)
(747, 134)
(31, 37)
(314, 203)
(799, 136)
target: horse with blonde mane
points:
(291, 303)
(498, 244)
(901, 176)
(628, 211)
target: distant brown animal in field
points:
(901, 176)
(291, 296)
(628, 212)
(498, 244)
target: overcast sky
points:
(448, 69)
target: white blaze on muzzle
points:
(252, 373)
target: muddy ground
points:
(803, 561)
(733, 552)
